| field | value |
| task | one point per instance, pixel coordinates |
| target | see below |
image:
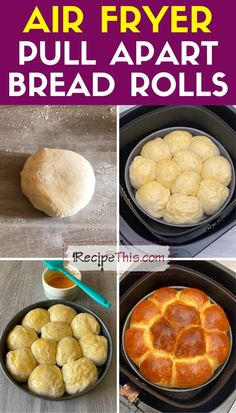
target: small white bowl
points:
(53, 293)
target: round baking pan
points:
(102, 371)
(171, 389)
(161, 133)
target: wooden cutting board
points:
(88, 130)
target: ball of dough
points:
(204, 147)
(94, 348)
(84, 324)
(68, 349)
(20, 363)
(44, 350)
(141, 171)
(78, 375)
(188, 161)
(219, 168)
(36, 319)
(46, 380)
(56, 330)
(153, 197)
(183, 209)
(187, 183)
(156, 149)
(57, 181)
(21, 337)
(178, 140)
(167, 172)
(61, 312)
(212, 195)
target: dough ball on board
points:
(141, 171)
(178, 140)
(188, 161)
(20, 363)
(56, 330)
(79, 374)
(212, 195)
(36, 319)
(94, 348)
(219, 168)
(21, 337)
(61, 312)
(58, 182)
(46, 380)
(44, 350)
(204, 147)
(68, 349)
(153, 197)
(84, 324)
(156, 149)
(183, 209)
(167, 172)
(187, 183)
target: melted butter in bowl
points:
(57, 286)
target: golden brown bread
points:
(178, 338)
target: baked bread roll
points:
(178, 140)
(177, 338)
(94, 348)
(21, 337)
(56, 330)
(68, 349)
(36, 319)
(61, 312)
(84, 324)
(156, 149)
(204, 147)
(212, 195)
(217, 168)
(166, 173)
(141, 171)
(188, 161)
(183, 209)
(20, 363)
(46, 380)
(44, 350)
(153, 197)
(187, 183)
(79, 375)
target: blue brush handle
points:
(96, 296)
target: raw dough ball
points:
(36, 319)
(20, 363)
(212, 195)
(61, 312)
(183, 209)
(167, 172)
(94, 348)
(79, 374)
(44, 350)
(156, 149)
(188, 161)
(187, 183)
(153, 197)
(57, 181)
(204, 147)
(178, 140)
(84, 324)
(47, 381)
(56, 330)
(21, 337)
(218, 168)
(141, 171)
(68, 349)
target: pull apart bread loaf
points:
(178, 339)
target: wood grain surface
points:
(20, 286)
(88, 130)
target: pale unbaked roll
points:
(153, 197)
(141, 171)
(178, 140)
(156, 149)
(183, 209)
(219, 168)
(212, 195)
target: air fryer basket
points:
(179, 275)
